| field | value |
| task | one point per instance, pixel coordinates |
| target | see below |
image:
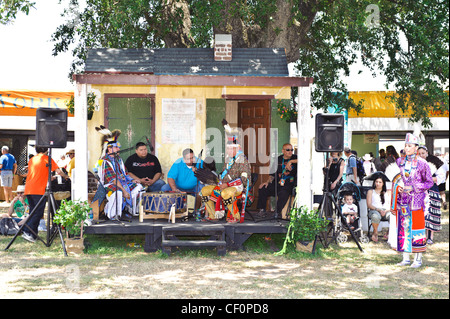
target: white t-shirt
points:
(376, 200)
(369, 167)
(346, 209)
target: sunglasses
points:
(289, 149)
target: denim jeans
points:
(156, 187)
(196, 189)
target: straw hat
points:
(367, 157)
(20, 189)
(70, 152)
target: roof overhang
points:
(190, 80)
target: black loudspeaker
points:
(329, 132)
(51, 127)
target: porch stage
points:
(162, 235)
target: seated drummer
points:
(145, 168)
(181, 176)
(283, 181)
(234, 179)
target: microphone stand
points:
(116, 166)
(198, 164)
(275, 216)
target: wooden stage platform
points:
(160, 234)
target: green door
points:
(215, 143)
(133, 117)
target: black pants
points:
(283, 193)
(33, 220)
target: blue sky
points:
(26, 61)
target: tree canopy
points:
(10, 8)
(406, 41)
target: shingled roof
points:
(188, 61)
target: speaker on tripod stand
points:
(329, 133)
(51, 128)
(330, 138)
(51, 132)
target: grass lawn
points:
(117, 267)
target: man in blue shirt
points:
(8, 167)
(351, 171)
(181, 176)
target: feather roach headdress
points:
(108, 138)
(206, 176)
(231, 134)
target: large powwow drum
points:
(161, 203)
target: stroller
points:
(341, 230)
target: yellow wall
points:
(168, 153)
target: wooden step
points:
(192, 227)
(216, 234)
(194, 243)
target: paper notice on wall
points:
(370, 138)
(178, 121)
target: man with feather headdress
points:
(234, 179)
(122, 191)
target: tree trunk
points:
(281, 30)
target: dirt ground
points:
(33, 271)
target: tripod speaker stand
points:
(330, 138)
(52, 228)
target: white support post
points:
(305, 138)
(80, 178)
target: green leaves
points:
(304, 226)
(91, 105)
(71, 215)
(408, 45)
(404, 41)
(10, 8)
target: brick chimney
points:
(222, 47)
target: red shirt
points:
(37, 176)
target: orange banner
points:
(25, 103)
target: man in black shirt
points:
(146, 168)
(283, 181)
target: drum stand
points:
(52, 228)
